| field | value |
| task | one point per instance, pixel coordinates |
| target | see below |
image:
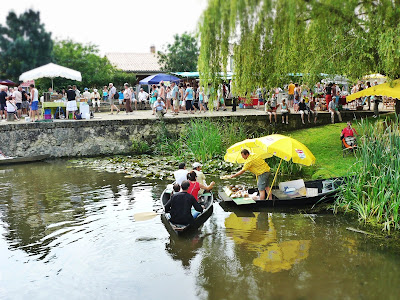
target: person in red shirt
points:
(196, 186)
(349, 135)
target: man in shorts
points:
(3, 99)
(175, 98)
(258, 167)
(34, 103)
(17, 96)
(25, 101)
(291, 94)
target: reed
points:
(372, 188)
(201, 140)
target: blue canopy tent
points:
(156, 79)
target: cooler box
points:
(47, 117)
(84, 110)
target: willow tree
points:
(270, 39)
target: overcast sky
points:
(115, 25)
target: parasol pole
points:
(276, 174)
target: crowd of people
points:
(17, 102)
(190, 98)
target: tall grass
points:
(372, 188)
(202, 139)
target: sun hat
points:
(196, 165)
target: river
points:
(70, 233)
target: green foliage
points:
(181, 55)
(24, 44)
(201, 140)
(271, 38)
(140, 147)
(372, 188)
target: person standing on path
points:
(175, 98)
(258, 167)
(71, 104)
(189, 99)
(111, 94)
(3, 100)
(127, 98)
(291, 94)
(35, 103)
(17, 96)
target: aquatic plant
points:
(371, 188)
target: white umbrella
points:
(51, 71)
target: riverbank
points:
(113, 134)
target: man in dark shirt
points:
(3, 111)
(180, 206)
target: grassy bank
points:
(372, 188)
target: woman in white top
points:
(169, 97)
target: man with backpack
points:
(113, 95)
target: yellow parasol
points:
(384, 89)
(233, 152)
(284, 147)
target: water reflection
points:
(184, 249)
(41, 204)
(272, 256)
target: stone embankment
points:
(114, 134)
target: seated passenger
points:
(180, 206)
(196, 186)
(349, 133)
(181, 174)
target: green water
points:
(70, 233)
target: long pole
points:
(276, 174)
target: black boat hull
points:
(197, 223)
(322, 197)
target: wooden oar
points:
(144, 216)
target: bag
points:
(116, 96)
(284, 111)
(78, 116)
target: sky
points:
(114, 25)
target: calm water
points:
(68, 233)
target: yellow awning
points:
(384, 89)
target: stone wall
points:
(100, 137)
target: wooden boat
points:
(207, 199)
(316, 191)
(21, 160)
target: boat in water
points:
(207, 200)
(291, 193)
(6, 160)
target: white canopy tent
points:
(51, 71)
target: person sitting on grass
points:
(258, 167)
(349, 135)
(196, 186)
(180, 206)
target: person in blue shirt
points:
(189, 96)
(121, 99)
